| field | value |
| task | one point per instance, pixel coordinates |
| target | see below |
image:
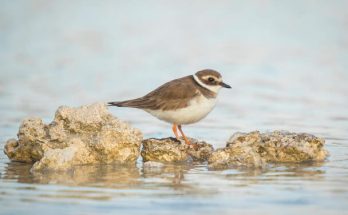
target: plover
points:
(181, 101)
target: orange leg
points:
(175, 130)
(182, 133)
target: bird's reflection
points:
(170, 173)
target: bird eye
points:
(211, 79)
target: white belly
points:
(198, 108)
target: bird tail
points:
(118, 104)
(134, 103)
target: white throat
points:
(214, 89)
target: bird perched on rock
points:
(181, 101)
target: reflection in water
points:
(169, 175)
(170, 172)
(110, 176)
(279, 173)
(122, 185)
(173, 176)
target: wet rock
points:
(169, 150)
(200, 151)
(236, 157)
(83, 135)
(31, 141)
(256, 149)
(164, 150)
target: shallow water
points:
(287, 63)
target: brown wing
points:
(172, 95)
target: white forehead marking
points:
(214, 89)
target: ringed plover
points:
(181, 101)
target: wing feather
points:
(172, 95)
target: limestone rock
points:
(201, 150)
(164, 150)
(256, 149)
(169, 150)
(83, 135)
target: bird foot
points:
(188, 143)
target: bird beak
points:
(222, 84)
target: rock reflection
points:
(112, 176)
(173, 176)
(283, 173)
(160, 180)
(305, 171)
(172, 173)
(165, 180)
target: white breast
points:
(198, 108)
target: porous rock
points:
(256, 149)
(200, 150)
(83, 135)
(171, 150)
